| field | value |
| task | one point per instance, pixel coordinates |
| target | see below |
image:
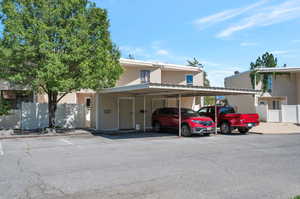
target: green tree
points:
(4, 107)
(57, 47)
(208, 100)
(267, 60)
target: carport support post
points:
(216, 116)
(179, 114)
(144, 113)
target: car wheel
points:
(243, 130)
(185, 130)
(157, 127)
(225, 128)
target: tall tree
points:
(57, 47)
(208, 100)
(267, 60)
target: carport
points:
(169, 91)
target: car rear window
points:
(226, 110)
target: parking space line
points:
(66, 141)
(1, 149)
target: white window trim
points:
(186, 79)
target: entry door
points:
(126, 113)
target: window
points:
(88, 102)
(189, 79)
(226, 110)
(202, 111)
(270, 83)
(145, 76)
(275, 105)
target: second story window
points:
(270, 83)
(145, 76)
(189, 79)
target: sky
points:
(225, 36)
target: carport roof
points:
(175, 89)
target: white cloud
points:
(226, 15)
(162, 52)
(248, 44)
(280, 52)
(267, 16)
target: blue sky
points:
(224, 35)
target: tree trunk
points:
(52, 105)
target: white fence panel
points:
(274, 115)
(262, 111)
(10, 121)
(35, 116)
(289, 113)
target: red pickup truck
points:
(228, 120)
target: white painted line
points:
(1, 149)
(66, 141)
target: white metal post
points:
(216, 116)
(144, 113)
(179, 114)
(97, 111)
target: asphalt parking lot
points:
(224, 166)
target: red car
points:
(191, 123)
(229, 120)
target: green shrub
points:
(296, 197)
(4, 107)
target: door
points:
(126, 113)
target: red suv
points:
(191, 121)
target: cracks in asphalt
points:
(38, 188)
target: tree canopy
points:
(57, 47)
(267, 60)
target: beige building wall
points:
(285, 85)
(68, 99)
(298, 87)
(243, 103)
(131, 75)
(178, 77)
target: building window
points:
(275, 105)
(189, 79)
(270, 83)
(145, 76)
(88, 103)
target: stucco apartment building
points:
(123, 111)
(141, 89)
(283, 88)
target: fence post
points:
(298, 113)
(282, 113)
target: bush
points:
(296, 197)
(4, 107)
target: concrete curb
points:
(40, 136)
